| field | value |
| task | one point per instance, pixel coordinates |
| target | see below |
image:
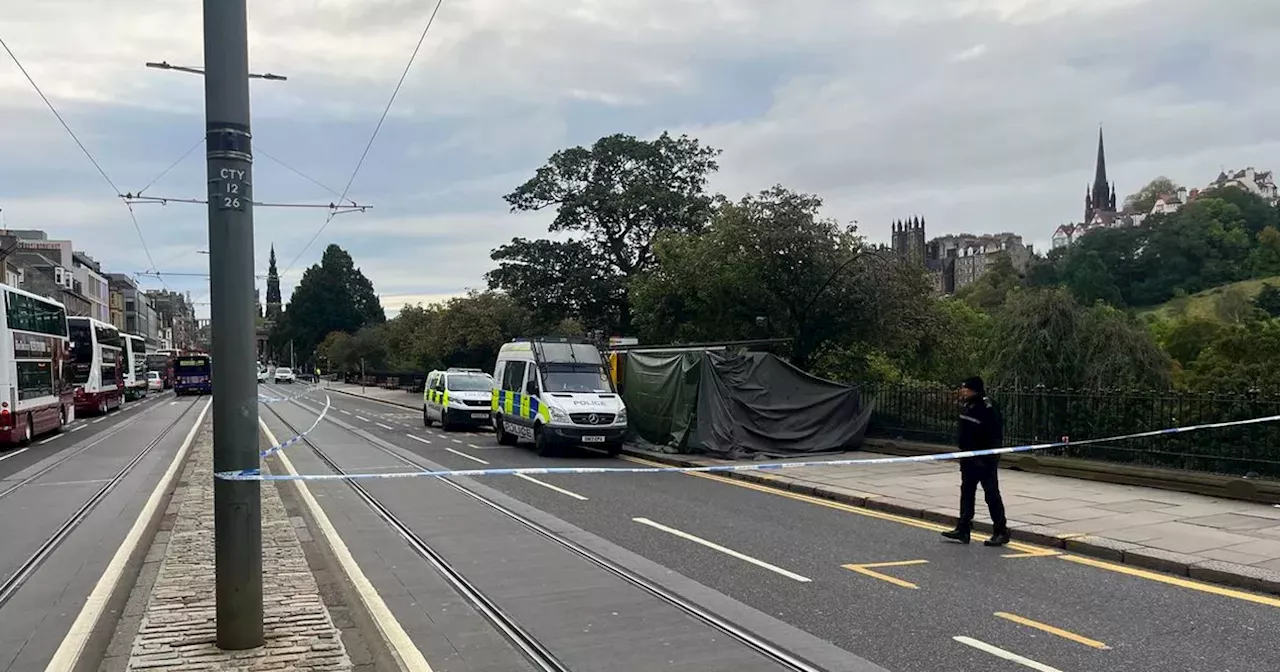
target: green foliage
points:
(991, 289)
(616, 197)
(332, 295)
(1241, 357)
(1146, 197)
(1268, 300)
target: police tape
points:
(256, 475)
(285, 444)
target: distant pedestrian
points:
(980, 429)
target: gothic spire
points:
(273, 286)
(1101, 186)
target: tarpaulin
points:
(754, 404)
(661, 392)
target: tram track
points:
(10, 585)
(535, 651)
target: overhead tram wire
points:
(89, 155)
(418, 47)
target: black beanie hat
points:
(974, 383)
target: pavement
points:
(876, 583)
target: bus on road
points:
(135, 375)
(162, 363)
(35, 386)
(97, 364)
(193, 374)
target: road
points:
(67, 503)
(881, 587)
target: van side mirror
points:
(531, 388)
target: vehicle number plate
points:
(479, 416)
(593, 439)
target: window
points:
(470, 383)
(108, 337)
(108, 373)
(513, 377)
(577, 379)
(35, 379)
(81, 343)
(41, 317)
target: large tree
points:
(332, 295)
(613, 198)
(769, 265)
(1146, 197)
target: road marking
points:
(1175, 581)
(173, 403)
(385, 426)
(418, 438)
(76, 429)
(1029, 551)
(73, 645)
(865, 569)
(17, 452)
(1044, 627)
(361, 417)
(469, 457)
(722, 549)
(1007, 655)
(41, 443)
(407, 655)
(344, 412)
(548, 486)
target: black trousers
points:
(975, 472)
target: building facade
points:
(954, 261)
(94, 284)
(175, 318)
(139, 314)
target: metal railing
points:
(1040, 415)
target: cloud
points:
(980, 115)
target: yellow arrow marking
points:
(866, 569)
(1045, 627)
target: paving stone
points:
(178, 625)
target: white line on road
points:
(16, 452)
(344, 412)
(72, 647)
(173, 403)
(418, 438)
(385, 426)
(41, 443)
(722, 549)
(98, 420)
(456, 440)
(469, 457)
(78, 428)
(548, 486)
(361, 417)
(1007, 655)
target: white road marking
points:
(72, 646)
(76, 429)
(19, 451)
(544, 484)
(385, 426)
(344, 412)
(98, 420)
(469, 457)
(418, 438)
(457, 440)
(361, 417)
(722, 549)
(40, 443)
(173, 403)
(1007, 655)
(408, 657)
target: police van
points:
(457, 397)
(556, 392)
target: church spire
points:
(1100, 195)
(273, 287)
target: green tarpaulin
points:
(661, 394)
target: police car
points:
(457, 397)
(556, 392)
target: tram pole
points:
(237, 526)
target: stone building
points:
(176, 318)
(954, 261)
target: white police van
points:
(556, 392)
(457, 397)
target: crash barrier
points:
(256, 475)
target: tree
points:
(617, 195)
(1146, 197)
(1268, 300)
(769, 266)
(1045, 337)
(332, 295)
(1240, 359)
(991, 288)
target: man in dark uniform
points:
(980, 429)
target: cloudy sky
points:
(980, 115)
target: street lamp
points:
(164, 65)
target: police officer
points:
(980, 429)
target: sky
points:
(979, 115)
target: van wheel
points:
(504, 438)
(426, 420)
(444, 420)
(540, 443)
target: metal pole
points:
(362, 375)
(237, 524)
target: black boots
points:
(960, 534)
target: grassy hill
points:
(1201, 304)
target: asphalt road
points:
(786, 556)
(52, 482)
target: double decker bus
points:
(97, 364)
(162, 362)
(135, 375)
(193, 374)
(35, 386)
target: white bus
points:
(135, 375)
(35, 381)
(98, 364)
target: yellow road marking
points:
(1029, 551)
(1045, 627)
(1175, 581)
(865, 568)
(1043, 551)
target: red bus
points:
(36, 391)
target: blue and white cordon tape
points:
(281, 446)
(256, 475)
